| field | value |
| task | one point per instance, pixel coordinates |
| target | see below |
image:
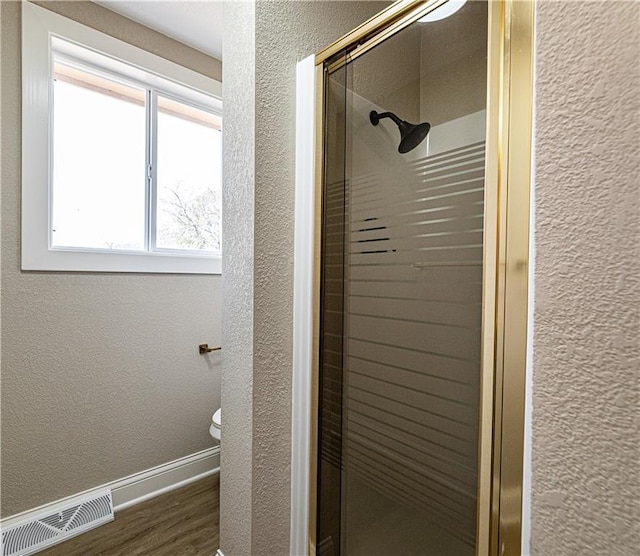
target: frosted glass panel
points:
(403, 240)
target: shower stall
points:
(413, 286)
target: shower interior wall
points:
(453, 79)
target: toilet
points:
(214, 429)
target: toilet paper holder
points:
(204, 348)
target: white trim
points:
(159, 480)
(152, 157)
(111, 261)
(39, 28)
(219, 553)
(303, 306)
(162, 75)
(139, 487)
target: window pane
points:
(98, 162)
(189, 178)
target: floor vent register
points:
(70, 518)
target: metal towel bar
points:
(204, 348)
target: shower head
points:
(411, 135)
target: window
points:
(122, 155)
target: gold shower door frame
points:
(505, 258)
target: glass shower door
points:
(401, 292)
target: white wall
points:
(101, 375)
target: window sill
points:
(70, 260)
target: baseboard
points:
(219, 553)
(164, 478)
(142, 486)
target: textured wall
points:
(586, 458)
(257, 402)
(286, 32)
(101, 377)
(238, 187)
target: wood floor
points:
(184, 521)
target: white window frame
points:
(40, 28)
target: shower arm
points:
(379, 116)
